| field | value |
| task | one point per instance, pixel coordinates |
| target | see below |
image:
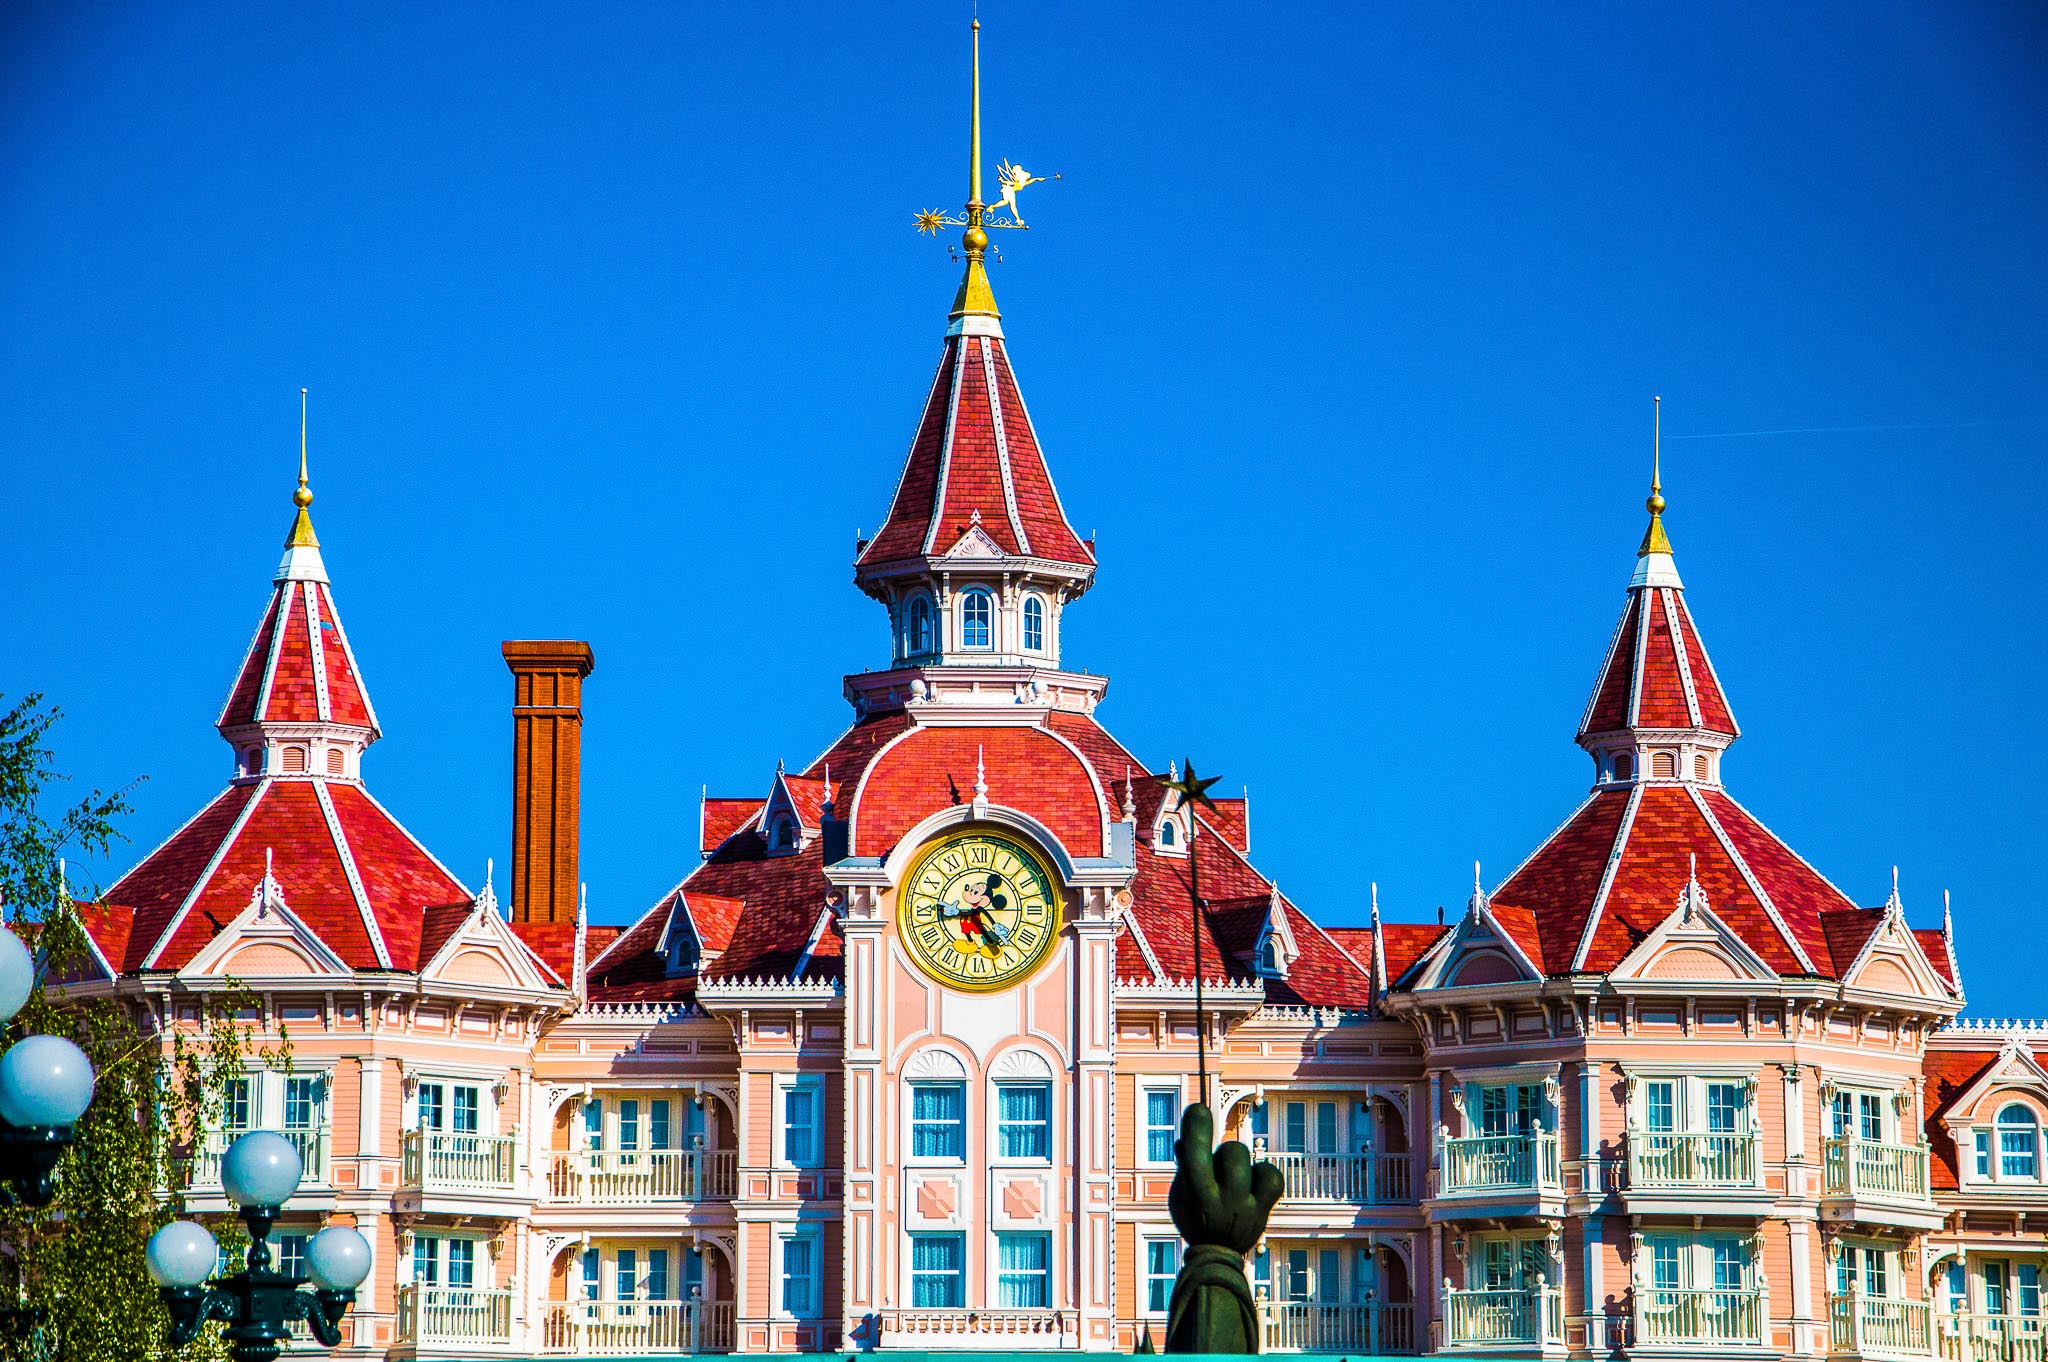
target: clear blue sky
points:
(1341, 330)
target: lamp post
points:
(45, 1086)
(259, 1172)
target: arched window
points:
(1034, 625)
(1624, 767)
(2019, 1142)
(334, 761)
(781, 835)
(252, 761)
(921, 625)
(295, 759)
(1664, 765)
(1702, 769)
(975, 613)
(1167, 834)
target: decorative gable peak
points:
(1277, 949)
(1657, 712)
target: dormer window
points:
(295, 759)
(920, 631)
(1702, 767)
(335, 761)
(1034, 625)
(2019, 1143)
(1624, 767)
(977, 614)
(1664, 765)
(782, 835)
(1167, 834)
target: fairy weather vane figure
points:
(1220, 1199)
(978, 217)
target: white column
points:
(1595, 1263)
(1094, 1075)
(1798, 1231)
(1589, 1121)
(1796, 1178)
(866, 1042)
(369, 1121)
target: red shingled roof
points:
(1028, 769)
(1642, 682)
(959, 468)
(1949, 1073)
(279, 679)
(724, 817)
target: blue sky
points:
(1341, 331)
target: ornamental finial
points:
(975, 298)
(302, 536)
(1654, 538)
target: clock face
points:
(978, 912)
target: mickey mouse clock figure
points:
(978, 912)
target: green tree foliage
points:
(73, 1271)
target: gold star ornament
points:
(932, 221)
(1192, 789)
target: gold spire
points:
(302, 536)
(1654, 538)
(975, 297)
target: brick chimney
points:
(547, 772)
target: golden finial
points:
(1654, 538)
(302, 524)
(975, 296)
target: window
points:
(1509, 1109)
(1664, 765)
(975, 612)
(657, 1274)
(1956, 1287)
(590, 1274)
(781, 835)
(1512, 1264)
(1034, 625)
(1727, 1264)
(1162, 1105)
(920, 625)
(1624, 768)
(629, 1123)
(1664, 1264)
(1994, 1288)
(1859, 1114)
(1660, 1106)
(1024, 1274)
(461, 1264)
(658, 1123)
(334, 761)
(1024, 1120)
(1168, 834)
(295, 759)
(468, 1108)
(2027, 1277)
(625, 1274)
(301, 1102)
(1700, 766)
(938, 1120)
(1294, 1276)
(234, 1107)
(426, 1260)
(800, 1142)
(938, 1271)
(291, 1254)
(2019, 1141)
(1162, 1264)
(593, 1124)
(800, 1274)
(1983, 1150)
(1724, 1107)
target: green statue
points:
(1219, 1201)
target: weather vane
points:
(978, 216)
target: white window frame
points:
(911, 647)
(815, 1086)
(967, 594)
(1692, 1089)
(1024, 643)
(814, 1280)
(997, 1122)
(910, 1155)
(1146, 1276)
(1145, 1127)
(1526, 1245)
(910, 1268)
(997, 1271)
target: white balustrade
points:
(636, 1176)
(444, 1160)
(1499, 1163)
(1370, 1178)
(1880, 1324)
(1868, 1168)
(1312, 1327)
(587, 1328)
(311, 1144)
(1533, 1315)
(1989, 1338)
(1698, 1317)
(454, 1314)
(1691, 1159)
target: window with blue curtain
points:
(1983, 1151)
(625, 1274)
(593, 1123)
(1957, 1282)
(920, 625)
(1727, 1265)
(1024, 1120)
(938, 1271)
(1259, 1119)
(1994, 1288)
(301, 1102)
(800, 1125)
(629, 1123)
(657, 1274)
(234, 1107)
(468, 1109)
(462, 1263)
(2018, 1142)
(938, 1120)
(426, 1260)
(1162, 1262)
(975, 614)
(1024, 1272)
(1724, 1107)
(2027, 1278)
(657, 1123)
(1034, 625)
(590, 1274)
(1161, 1106)
(799, 1275)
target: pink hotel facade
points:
(1663, 1092)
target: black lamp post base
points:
(28, 1162)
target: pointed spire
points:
(975, 298)
(1692, 900)
(1477, 905)
(302, 536)
(980, 777)
(1130, 797)
(1893, 906)
(1654, 538)
(580, 961)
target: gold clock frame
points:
(1016, 846)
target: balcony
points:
(1368, 1179)
(1884, 1184)
(986, 1330)
(1500, 1163)
(1989, 1338)
(440, 1161)
(1698, 1319)
(454, 1314)
(636, 1177)
(598, 1328)
(1691, 1161)
(1310, 1327)
(1877, 1326)
(1532, 1317)
(205, 1163)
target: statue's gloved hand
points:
(1219, 1197)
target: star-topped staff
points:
(1193, 794)
(977, 217)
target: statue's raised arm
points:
(1219, 1202)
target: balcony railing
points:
(311, 1144)
(1989, 1338)
(990, 1329)
(1691, 1317)
(454, 1314)
(1533, 1315)
(1500, 1163)
(1691, 1160)
(1866, 1168)
(1375, 1179)
(1309, 1327)
(441, 1160)
(588, 1328)
(1878, 1324)
(634, 1176)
